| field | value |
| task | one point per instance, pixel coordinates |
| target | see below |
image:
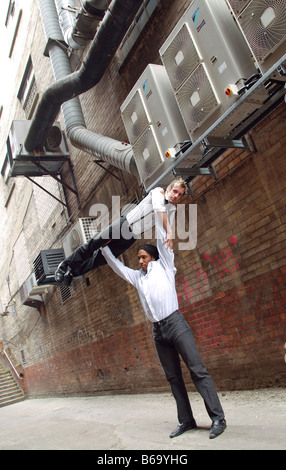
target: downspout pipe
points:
(102, 49)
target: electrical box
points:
(263, 24)
(207, 60)
(48, 159)
(153, 123)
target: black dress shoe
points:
(217, 428)
(181, 428)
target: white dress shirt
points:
(156, 287)
(142, 217)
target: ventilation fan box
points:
(45, 265)
(263, 24)
(24, 163)
(31, 293)
(153, 122)
(204, 55)
(84, 229)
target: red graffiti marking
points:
(225, 257)
(185, 292)
(207, 326)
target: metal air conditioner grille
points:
(46, 263)
(238, 5)
(181, 57)
(135, 117)
(147, 154)
(197, 99)
(264, 25)
(89, 227)
(82, 231)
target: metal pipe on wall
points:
(63, 93)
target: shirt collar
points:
(149, 268)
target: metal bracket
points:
(99, 163)
(267, 93)
(219, 142)
(59, 180)
(195, 171)
(52, 41)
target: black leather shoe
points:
(63, 275)
(217, 428)
(181, 428)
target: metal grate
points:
(197, 98)
(264, 25)
(238, 5)
(46, 263)
(65, 293)
(181, 57)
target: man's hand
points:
(169, 240)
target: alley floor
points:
(256, 420)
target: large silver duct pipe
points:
(67, 12)
(69, 85)
(79, 25)
(60, 62)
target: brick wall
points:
(231, 287)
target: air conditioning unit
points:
(263, 24)
(45, 265)
(153, 122)
(207, 60)
(82, 232)
(51, 157)
(31, 293)
(238, 5)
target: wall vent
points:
(45, 265)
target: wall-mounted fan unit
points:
(153, 122)
(197, 99)
(148, 153)
(83, 230)
(31, 293)
(25, 163)
(204, 55)
(181, 56)
(135, 116)
(263, 23)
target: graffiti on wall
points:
(193, 289)
(224, 262)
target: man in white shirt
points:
(155, 283)
(124, 232)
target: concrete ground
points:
(256, 420)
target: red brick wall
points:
(231, 288)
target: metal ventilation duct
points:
(79, 25)
(70, 85)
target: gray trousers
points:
(173, 338)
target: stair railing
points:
(18, 375)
